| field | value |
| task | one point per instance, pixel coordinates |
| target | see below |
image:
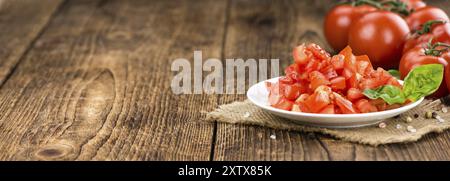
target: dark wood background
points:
(90, 80)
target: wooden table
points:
(90, 80)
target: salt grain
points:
(408, 119)
(382, 125)
(440, 120)
(398, 126)
(411, 129)
(246, 115)
(273, 137)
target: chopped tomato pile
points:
(319, 83)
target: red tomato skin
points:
(414, 4)
(317, 101)
(328, 110)
(447, 77)
(338, 83)
(354, 94)
(422, 15)
(379, 35)
(284, 104)
(317, 51)
(345, 105)
(379, 104)
(364, 106)
(439, 33)
(416, 57)
(317, 79)
(338, 21)
(338, 62)
(300, 55)
(291, 92)
(300, 107)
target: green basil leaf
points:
(423, 81)
(394, 73)
(389, 93)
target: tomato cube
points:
(317, 79)
(300, 55)
(338, 83)
(364, 106)
(345, 105)
(328, 109)
(354, 94)
(317, 101)
(338, 62)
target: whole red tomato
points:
(446, 56)
(422, 15)
(381, 36)
(414, 4)
(337, 23)
(434, 30)
(416, 57)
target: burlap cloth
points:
(395, 131)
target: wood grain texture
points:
(20, 23)
(96, 84)
(270, 29)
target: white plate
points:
(258, 95)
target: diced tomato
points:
(300, 55)
(318, 83)
(345, 105)
(300, 107)
(393, 81)
(354, 81)
(329, 72)
(349, 59)
(291, 92)
(354, 94)
(312, 65)
(301, 98)
(382, 75)
(324, 88)
(364, 106)
(328, 109)
(338, 62)
(393, 106)
(379, 103)
(292, 71)
(370, 83)
(317, 79)
(317, 51)
(338, 83)
(317, 101)
(284, 104)
(347, 73)
(361, 67)
(286, 80)
(364, 58)
(346, 52)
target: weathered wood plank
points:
(96, 86)
(265, 29)
(20, 23)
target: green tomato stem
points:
(426, 27)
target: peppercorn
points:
(434, 114)
(428, 115)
